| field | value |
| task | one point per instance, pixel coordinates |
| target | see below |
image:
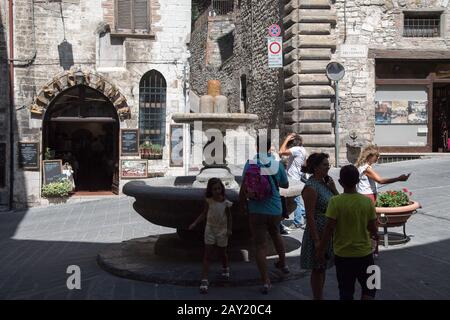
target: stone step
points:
(316, 140)
(310, 41)
(314, 4)
(305, 104)
(305, 67)
(310, 16)
(314, 54)
(319, 91)
(306, 4)
(307, 54)
(307, 28)
(302, 79)
(313, 116)
(314, 28)
(309, 128)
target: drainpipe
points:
(11, 104)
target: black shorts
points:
(350, 269)
(261, 224)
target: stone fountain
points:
(175, 202)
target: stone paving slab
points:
(37, 246)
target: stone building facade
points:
(395, 55)
(396, 59)
(123, 58)
(232, 48)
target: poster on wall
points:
(399, 113)
(176, 145)
(383, 111)
(134, 169)
(417, 112)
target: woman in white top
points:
(368, 178)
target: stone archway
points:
(81, 115)
(74, 77)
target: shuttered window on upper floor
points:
(132, 15)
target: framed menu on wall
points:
(29, 155)
(129, 142)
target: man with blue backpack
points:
(260, 198)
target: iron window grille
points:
(222, 7)
(422, 25)
(152, 108)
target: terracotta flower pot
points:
(396, 216)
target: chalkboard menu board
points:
(2, 165)
(129, 142)
(29, 155)
(52, 170)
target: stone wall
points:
(4, 107)
(164, 50)
(209, 37)
(265, 85)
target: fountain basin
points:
(173, 202)
(221, 119)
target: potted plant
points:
(58, 191)
(156, 151)
(150, 151)
(145, 149)
(394, 207)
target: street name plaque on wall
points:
(29, 155)
(129, 142)
(353, 51)
(52, 170)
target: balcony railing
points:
(222, 7)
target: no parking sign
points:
(275, 51)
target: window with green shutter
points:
(132, 15)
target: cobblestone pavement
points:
(37, 246)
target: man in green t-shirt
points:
(352, 218)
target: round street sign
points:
(335, 71)
(275, 47)
(274, 30)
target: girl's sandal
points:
(266, 288)
(204, 286)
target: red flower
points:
(410, 194)
(405, 190)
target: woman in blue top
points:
(265, 215)
(317, 192)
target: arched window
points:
(244, 101)
(152, 108)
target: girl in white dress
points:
(218, 228)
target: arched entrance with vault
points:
(81, 113)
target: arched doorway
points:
(81, 126)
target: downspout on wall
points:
(11, 104)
